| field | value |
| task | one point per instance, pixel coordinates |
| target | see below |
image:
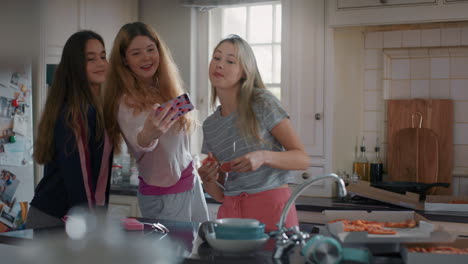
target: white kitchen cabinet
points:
(376, 12)
(62, 18)
(323, 188)
(302, 71)
(124, 205)
(304, 45)
(347, 4)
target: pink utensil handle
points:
(132, 224)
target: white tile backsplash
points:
(456, 186)
(464, 36)
(400, 69)
(458, 51)
(460, 112)
(420, 68)
(372, 80)
(400, 89)
(459, 67)
(392, 39)
(387, 88)
(430, 37)
(419, 89)
(463, 186)
(373, 59)
(419, 53)
(370, 121)
(428, 63)
(373, 101)
(459, 89)
(411, 38)
(439, 89)
(451, 36)
(440, 68)
(370, 139)
(439, 52)
(374, 40)
(397, 53)
(461, 155)
(461, 132)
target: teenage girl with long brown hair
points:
(142, 77)
(72, 142)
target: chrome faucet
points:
(287, 238)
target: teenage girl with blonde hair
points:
(251, 130)
(142, 77)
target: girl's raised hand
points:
(157, 123)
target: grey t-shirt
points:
(222, 137)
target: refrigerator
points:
(16, 142)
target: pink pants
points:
(264, 206)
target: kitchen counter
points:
(123, 189)
(319, 204)
(184, 234)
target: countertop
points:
(319, 204)
(184, 234)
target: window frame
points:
(216, 34)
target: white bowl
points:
(237, 222)
(235, 246)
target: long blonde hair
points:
(246, 119)
(122, 81)
(71, 97)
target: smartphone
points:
(182, 103)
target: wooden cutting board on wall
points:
(416, 155)
(437, 118)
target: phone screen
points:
(182, 103)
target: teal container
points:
(239, 232)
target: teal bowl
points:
(239, 232)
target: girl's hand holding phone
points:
(156, 124)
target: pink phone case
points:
(182, 103)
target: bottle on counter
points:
(376, 165)
(361, 164)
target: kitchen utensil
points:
(438, 116)
(414, 187)
(327, 250)
(416, 153)
(134, 224)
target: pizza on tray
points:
(374, 227)
(439, 250)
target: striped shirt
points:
(222, 137)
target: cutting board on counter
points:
(363, 189)
(420, 152)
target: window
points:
(260, 25)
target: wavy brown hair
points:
(70, 96)
(122, 81)
(247, 121)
